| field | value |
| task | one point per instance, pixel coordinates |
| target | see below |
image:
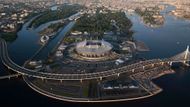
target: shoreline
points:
(79, 100)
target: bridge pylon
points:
(186, 57)
(183, 57)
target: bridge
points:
(183, 57)
(9, 76)
(133, 68)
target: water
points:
(166, 41)
(43, 54)
(43, 26)
(25, 45)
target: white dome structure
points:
(44, 39)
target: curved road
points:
(133, 68)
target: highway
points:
(133, 68)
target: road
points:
(133, 68)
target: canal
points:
(43, 54)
